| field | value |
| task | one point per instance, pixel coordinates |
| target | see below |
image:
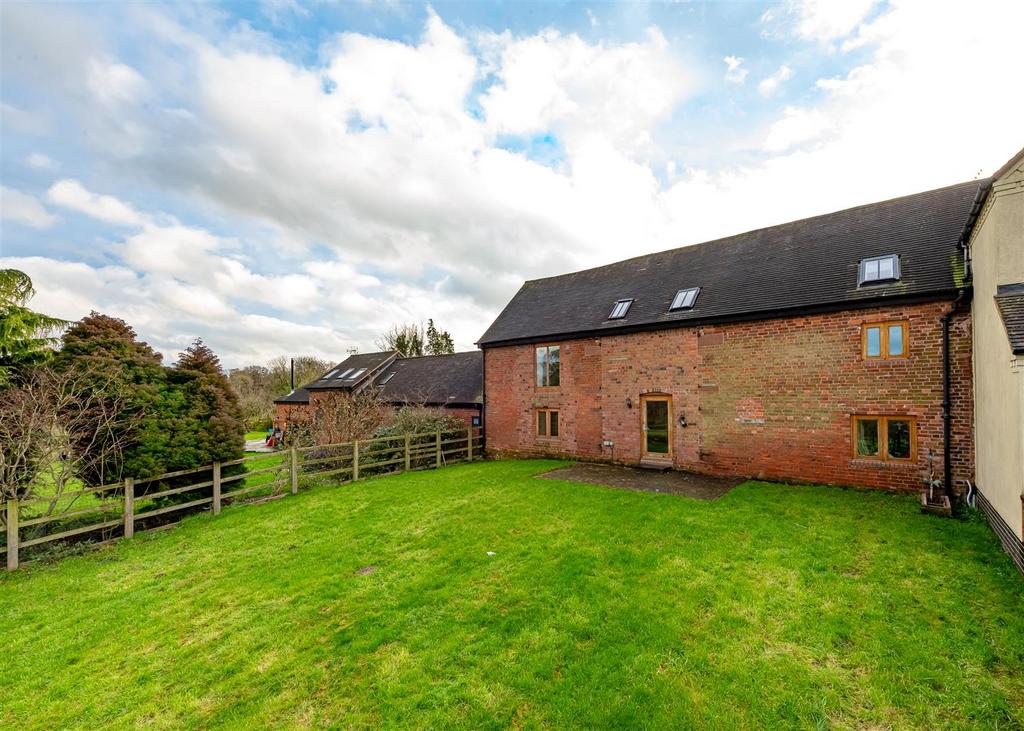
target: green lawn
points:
(773, 607)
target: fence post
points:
(355, 460)
(129, 507)
(216, 488)
(295, 471)
(408, 462)
(469, 445)
(12, 534)
(438, 462)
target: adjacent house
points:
(823, 350)
(997, 265)
(453, 382)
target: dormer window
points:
(685, 299)
(620, 309)
(879, 269)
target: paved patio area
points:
(689, 484)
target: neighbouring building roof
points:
(1010, 301)
(295, 396)
(434, 380)
(354, 372)
(795, 266)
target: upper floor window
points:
(685, 298)
(620, 309)
(883, 340)
(548, 360)
(879, 269)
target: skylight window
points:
(340, 376)
(685, 298)
(356, 374)
(879, 269)
(387, 378)
(620, 309)
(331, 374)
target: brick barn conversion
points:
(835, 350)
(453, 382)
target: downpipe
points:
(947, 467)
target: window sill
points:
(883, 464)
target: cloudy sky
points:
(286, 178)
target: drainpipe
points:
(483, 401)
(947, 467)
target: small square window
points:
(879, 269)
(547, 423)
(685, 298)
(620, 309)
(884, 340)
(475, 420)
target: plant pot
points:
(938, 505)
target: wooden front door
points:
(656, 412)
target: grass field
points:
(773, 607)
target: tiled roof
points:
(296, 396)
(353, 365)
(800, 265)
(1010, 301)
(434, 380)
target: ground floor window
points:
(547, 423)
(886, 438)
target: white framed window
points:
(620, 309)
(879, 269)
(685, 298)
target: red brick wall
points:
(286, 413)
(770, 399)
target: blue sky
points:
(285, 178)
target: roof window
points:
(685, 299)
(387, 378)
(342, 375)
(356, 374)
(879, 269)
(330, 374)
(620, 309)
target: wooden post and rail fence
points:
(126, 505)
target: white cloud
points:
(113, 83)
(734, 70)
(820, 20)
(73, 195)
(554, 82)
(39, 161)
(796, 127)
(24, 208)
(771, 84)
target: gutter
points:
(947, 415)
(972, 218)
